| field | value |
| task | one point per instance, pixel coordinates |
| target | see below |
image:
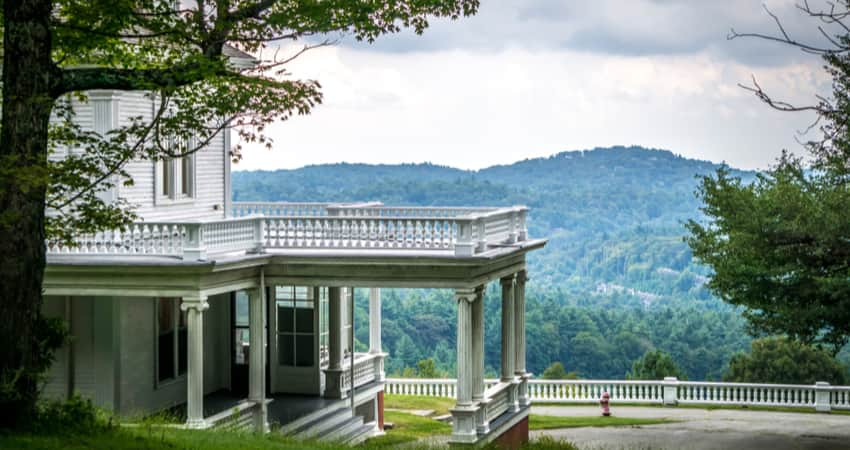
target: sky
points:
(531, 78)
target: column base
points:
(524, 399)
(464, 426)
(333, 383)
(196, 424)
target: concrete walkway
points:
(700, 429)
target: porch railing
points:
(368, 368)
(670, 391)
(256, 226)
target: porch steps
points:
(359, 435)
(334, 424)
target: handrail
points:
(670, 391)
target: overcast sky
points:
(529, 78)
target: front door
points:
(294, 360)
(240, 344)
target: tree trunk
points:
(28, 72)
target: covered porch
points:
(322, 253)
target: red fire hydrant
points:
(604, 403)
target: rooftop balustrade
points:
(260, 226)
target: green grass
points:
(536, 422)
(439, 405)
(408, 428)
(152, 438)
(708, 407)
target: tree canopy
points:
(780, 360)
(655, 365)
(780, 246)
(182, 55)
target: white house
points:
(168, 312)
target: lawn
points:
(536, 422)
(439, 405)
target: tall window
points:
(241, 329)
(172, 339)
(324, 340)
(176, 176)
(295, 313)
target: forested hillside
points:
(615, 279)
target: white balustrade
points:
(366, 369)
(259, 225)
(647, 392)
(146, 238)
(300, 209)
(497, 400)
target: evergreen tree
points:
(780, 360)
(655, 365)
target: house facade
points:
(169, 313)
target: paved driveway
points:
(700, 429)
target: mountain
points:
(616, 278)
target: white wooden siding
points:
(56, 387)
(138, 392)
(210, 162)
(209, 174)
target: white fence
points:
(670, 391)
(255, 226)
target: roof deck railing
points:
(259, 226)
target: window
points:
(176, 177)
(172, 339)
(241, 329)
(324, 339)
(295, 313)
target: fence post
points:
(822, 390)
(194, 248)
(670, 385)
(259, 242)
(463, 244)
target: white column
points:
(478, 345)
(257, 363)
(333, 374)
(334, 328)
(375, 346)
(463, 414)
(508, 341)
(195, 307)
(519, 321)
(375, 320)
(481, 423)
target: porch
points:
(324, 251)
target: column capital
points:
(467, 294)
(198, 303)
(522, 276)
(507, 281)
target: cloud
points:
(472, 109)
(530, 78)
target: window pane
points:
(165, 356)
(284, 292)
(182, 358)
(284, 319)
(302, 292)
(285, 347)
(304, 320)
(241, 309)
(186, 176)
(166, 177)
(242, 346)
(165, 312)
(304, 351)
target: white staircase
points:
(336, 423)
